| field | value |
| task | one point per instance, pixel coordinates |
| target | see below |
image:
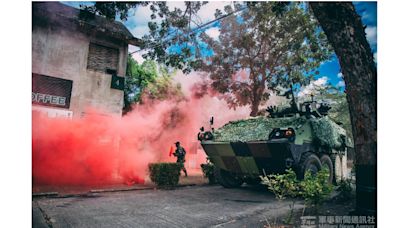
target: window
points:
(101, 58)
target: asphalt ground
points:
(190, 206)
(195, 178)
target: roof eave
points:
(135, 42)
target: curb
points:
(56, 194)
(120, 189)
(43, 194)
(187, 185)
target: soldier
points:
(180, 153)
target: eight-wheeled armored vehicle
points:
(301, 137)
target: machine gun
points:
(309, 109)
(206, 135)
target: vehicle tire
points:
(327, 162)
(226, 179)
(309, 161)
(339, 161)
(252, 181)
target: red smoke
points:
(97, 149)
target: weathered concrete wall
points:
(62, 53)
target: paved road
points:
(196, 206)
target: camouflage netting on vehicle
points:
(327, 132)
(254, 129)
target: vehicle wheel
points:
(252, 181)
(344, 165)
(327, 162)
(340, 166)
(311, 162)
(226, 179)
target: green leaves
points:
(208, 171)
(165, 174)
(274, 50)
(282, 185)
(111, 10)
(328, 133)
(253, 129)
(149, 80)
(273, 43)
(314, 189)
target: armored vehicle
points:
(301, 137)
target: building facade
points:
(78, 61)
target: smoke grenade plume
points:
(98, 149)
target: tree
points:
(174, 41)
(260, 50)
(148, 81)
(174, 30)
(163, 88)
(289, 48)
(138, 77)
(346, 34)
(111, 10)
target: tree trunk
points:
(254, 107)
(346, 34)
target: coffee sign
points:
(51, 91)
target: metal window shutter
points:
(101, 58)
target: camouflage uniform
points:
(180, 153)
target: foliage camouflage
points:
(253, 129)
(340, 112)
(326, 131)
